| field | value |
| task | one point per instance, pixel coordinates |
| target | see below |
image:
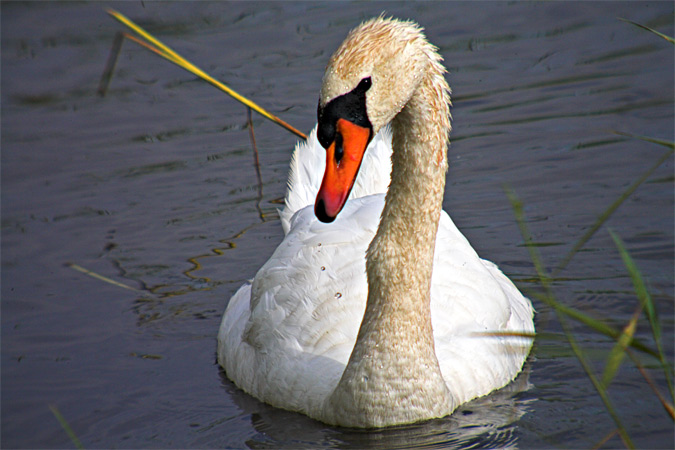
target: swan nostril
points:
(339, 149)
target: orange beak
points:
(343, 159)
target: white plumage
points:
(288, 344)
(286, 338)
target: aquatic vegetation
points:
(626, 342)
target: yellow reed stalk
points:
(170, 55)
(100, 277)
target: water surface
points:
(153, 186)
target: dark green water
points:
(153, 186)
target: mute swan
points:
(386, 315)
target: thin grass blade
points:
(609, 211)
(601, 390)
(169, 54)
(520, 334)
(648, 305)
(644, 27)
(639, 286)
(114, 54)
(153, 49)
(618, 352)
(256, 163)
(548, 296)
(606, 439)
(101, 277)
(663, 142)
(668, 406)
(517, 207)
(66, 426)
(592, 323)
(110, 64)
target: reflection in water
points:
(486, 422)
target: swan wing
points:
(286, 337)
(474, 307)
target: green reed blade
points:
(599, 387)
(66, 426)
(609, 211)
(517, 207)
(648, 305)
(618, 352)
(663, 142)
(638, 285)
(661, 35)
(592, 323)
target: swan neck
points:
(400, 257)
(394, 360)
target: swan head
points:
(368, 81)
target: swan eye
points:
(364, 84)
(339, 149)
